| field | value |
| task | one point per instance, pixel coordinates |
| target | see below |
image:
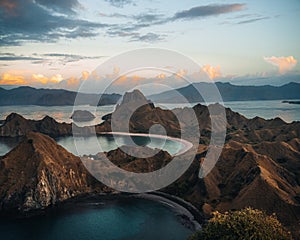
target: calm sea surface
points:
(125, 219)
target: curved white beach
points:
(186, 144)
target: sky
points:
(59, 44)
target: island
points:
(259, 165)
(82, 116)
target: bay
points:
(123, 219)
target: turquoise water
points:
(106, 142)
(125, 219)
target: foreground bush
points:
(244, 224)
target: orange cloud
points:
(12, 79)
(212, 72)
(85, 75)
(40, 78)
(161, 76)
(26, 78)
(121, 80)
(73, 82)
(284, 64)
(181, 73)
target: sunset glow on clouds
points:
(23, 78)
(60, 43)
(284, 64)
(212, 72)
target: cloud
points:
(119, 3)
(26, 78)
(148, 17)
(149, 37)
(16, 77)
(63, 6)
(284, 64)
(14, 57)
(208, 10)
(64, 58)
(212, 72)
(47, 58)
(181, 73)
(12, 78)
(40, 78)
(253, 20)
(28, 20)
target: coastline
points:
(190, 216)
(186, 144)
(187, 217)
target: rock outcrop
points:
(82, 116)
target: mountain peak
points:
(134, 96)
(41, 173)
(13, 116)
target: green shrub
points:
(245, 224)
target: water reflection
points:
(107, 143)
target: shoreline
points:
(187, 217)
(186, 144)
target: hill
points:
(51, 97)
(39, 173)
(230, 92)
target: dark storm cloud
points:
(25, 20)
(208, 10)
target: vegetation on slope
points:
(245, 224)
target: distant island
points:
(52, 97)
(229, 92)
(291, 102)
